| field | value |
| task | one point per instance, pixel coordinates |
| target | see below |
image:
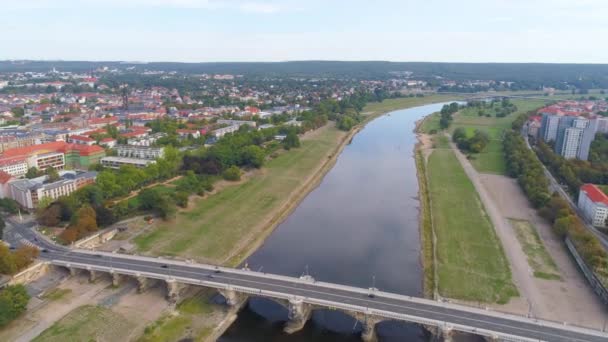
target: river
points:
(358, 227)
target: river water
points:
(359, 228)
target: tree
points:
(232, 173)
(13, 302)
(18, 111)
(2, 226)
(253, 155)
(291, 140)
(51, 216)
(52, 174)
(32, 172)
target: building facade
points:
(29, 192)
(594, 204)
(139, 152)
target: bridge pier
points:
(173, 289)
(73, 271)
(92, 275)
(440, 333)
(299, 314)
(142, 284)
(369, 330)
(115, 279)
(232, 297)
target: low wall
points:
(597, 286)
(33, 272)
(96, 239)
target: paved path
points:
(522, 274)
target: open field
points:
(491, 159)
(471, 264)
(389, 105)
(88, 323)
(541, 262)
(190, 321)
(216, 225)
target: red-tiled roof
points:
(595, 194)
(4, 177)
(34, 149)
(107, 140)
(11, 160)
(83, 150)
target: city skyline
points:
(266, 30)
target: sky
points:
(550, 31)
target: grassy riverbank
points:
(470, 262)
(426, 227)
(218, 227)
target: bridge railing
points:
(340, 305)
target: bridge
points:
(303, 295)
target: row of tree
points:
(523, 164)
(447, 111)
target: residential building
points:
(14, 166)
(184, 133)
(55, 160)
(140, 152)
(108, 142)
(81, 140)
(28, 192)
(117, 162)
(237, 123)
(220, 132)
(5, 179)
(548, 127)
(594, 204)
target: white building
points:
(572, 141)
(15, 166)
(140, 152)
(594, 204)
(220, 132)
(28, 192)
(117, 162)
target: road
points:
(390, 306)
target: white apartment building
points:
(594, 204)
(28, 192)
(220, 132)
(572, 141)
(139, 152)
(16, 166)
(117, 162)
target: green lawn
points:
(212, 229)
(471, 264)
(491, 159)
(88, 323)
(430, 124)
(389, 105)
(538, 258)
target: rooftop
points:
(595, 194)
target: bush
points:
(13, 302)
(232, 173)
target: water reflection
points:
(362, 221)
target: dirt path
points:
(522, 275)
(136, 192)
(541, 296)
(570, 300)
